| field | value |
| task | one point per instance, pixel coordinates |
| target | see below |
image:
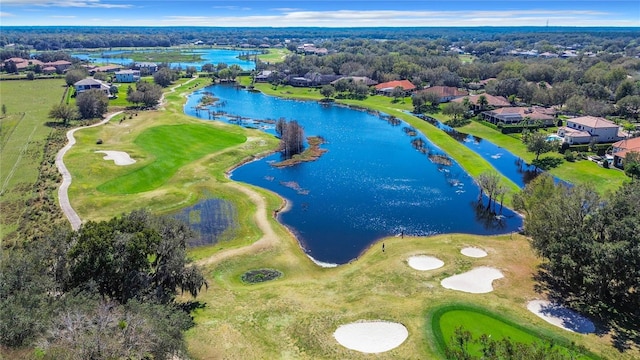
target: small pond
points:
(373, 181)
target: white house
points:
(91, 83)
(127, 76)
(585, 129)
(147, 67)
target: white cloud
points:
(64, 16)
(67, 3)
(5, 14)
(395, 18)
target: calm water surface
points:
(209, 56)
(371, 183)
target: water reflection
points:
(380, 177)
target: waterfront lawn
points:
(579, 172)
(274, 55)
(24, 131)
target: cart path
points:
(63, 194)
(268, 240)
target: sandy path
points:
(268, 239)
(63, 195)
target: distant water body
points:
(371, 183)
(208, 56)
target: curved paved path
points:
(63, 195)
(268, 239)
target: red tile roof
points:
(626, 146)
(406, 85)
(593, 122)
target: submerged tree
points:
(291, 137)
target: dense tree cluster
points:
(147, 94)
(92, 104)
(590, 244)
(105, 291)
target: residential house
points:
(480, 84)
(127, 76)
(621, 148)
(585, 129)
(515, 115)
(91, 83)
(311, 49)
(48, 70)
(387, 88)
(22, 64)
(146, 67)
(311, 79)
(445, 93)
(264, 76)
(105, 69)
(357, 79)
(60, 65)
(492, 101)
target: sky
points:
(328, 13)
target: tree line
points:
(107, 290)
(590, 244)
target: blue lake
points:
(371, 183)
(209, 56)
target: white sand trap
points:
(561, 316)
(424, 262)
(120, 158)
(371, 336)
(473, 252)
(476, 281)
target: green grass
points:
(24, 131)
(479, 321)
(580, 172)
(466, 58)
(274, 55)
(171, 147)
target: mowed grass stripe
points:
(173, 146)
(480, 321)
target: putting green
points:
(172, 146)
(478, 321)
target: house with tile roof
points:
(386, 88)
(515, 115)
(621, 148)
(492, 101)
(585, 129)
(446, 93)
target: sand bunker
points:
(424, 262)
(120, 158)
(476, 281)
(371, 336)
(473, 252)
(561, 316)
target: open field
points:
(274, 55)
(23, 135)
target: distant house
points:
(91, 83)
(386, 88)
(49, 70)
(515, 115)
(357, 79)
(22, 64)
(264, 76)
(311, 49)
(480, 84)
(146, 67)
(445, 93)
(105, 69)
(585, 129)
(492, 101)
(621, 148)
(127, 76)
(311, 79)
(60, 65)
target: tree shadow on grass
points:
(624, 327)
(547, 163)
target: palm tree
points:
(482, 102)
